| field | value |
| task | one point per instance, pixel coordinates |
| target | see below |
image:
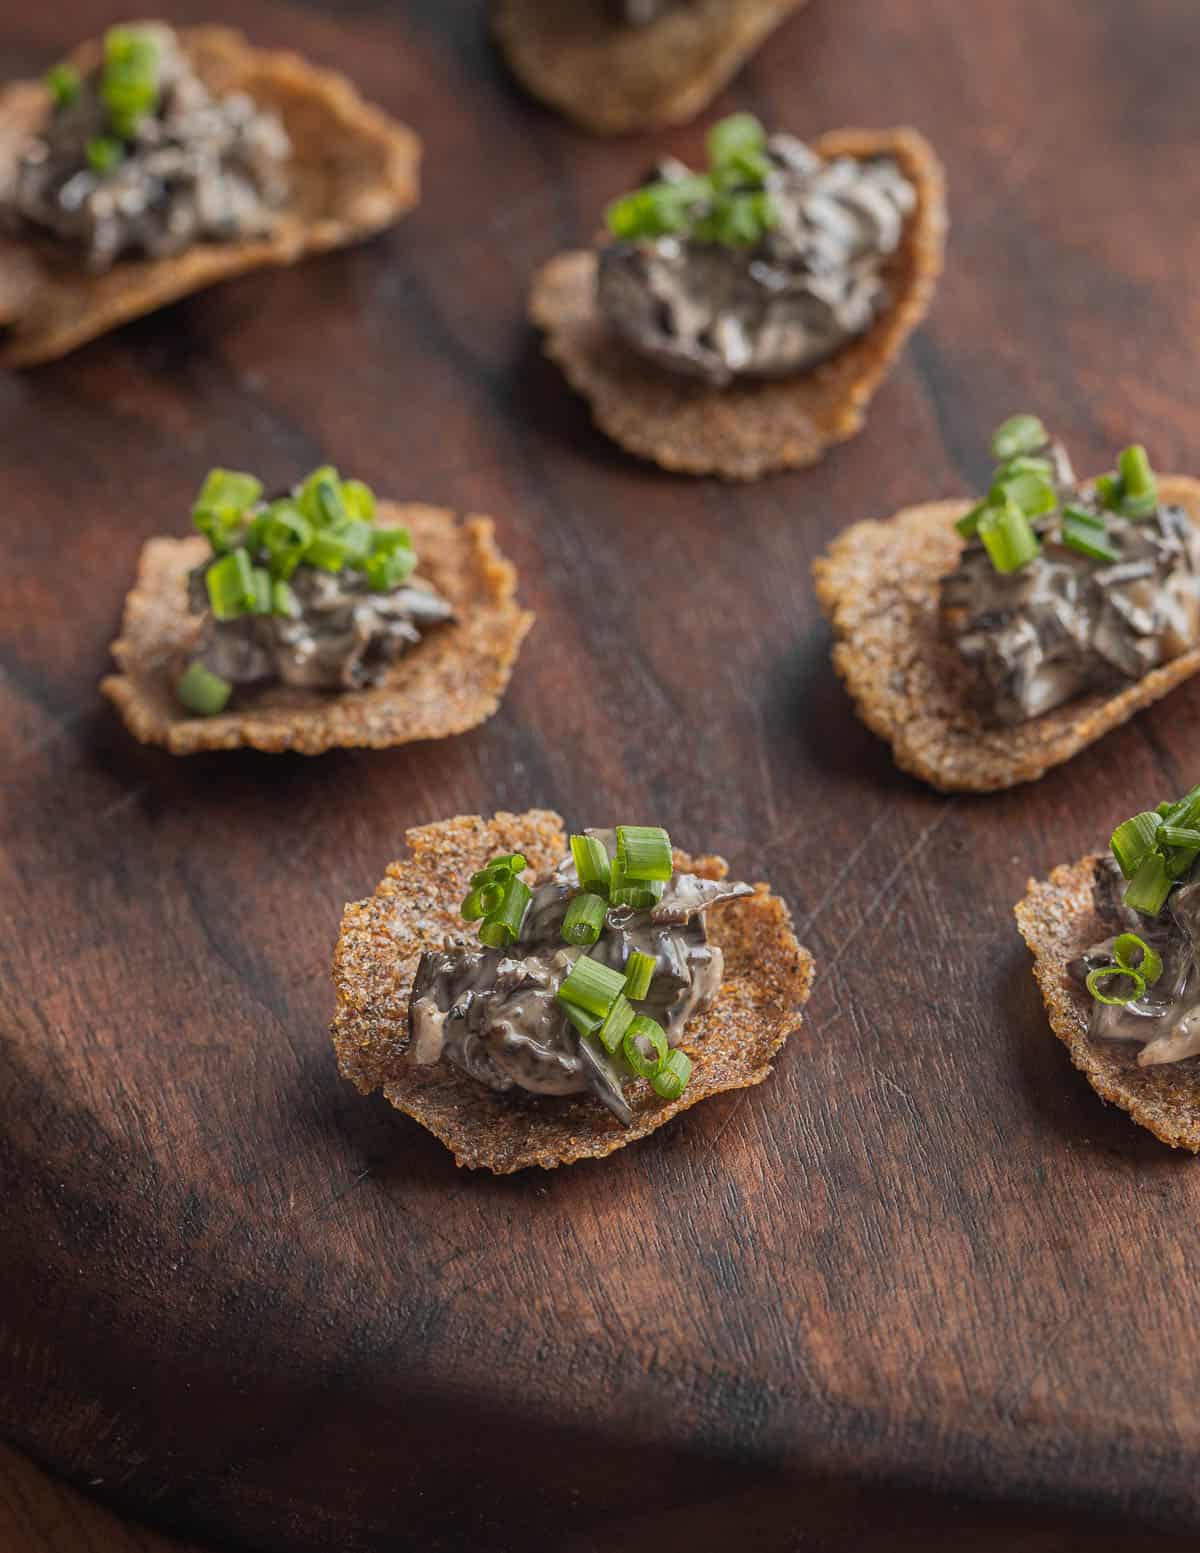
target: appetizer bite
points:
(533, 1000)
(303, 623)
(157, 162)
(988, 642)
(739, 320)
(1115, 940)
(615, 66)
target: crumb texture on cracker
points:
(450, 682)
(879, 584)
(768, 976)
(749, 428)
(354, 171)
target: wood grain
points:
(921, 1277)
(39, 1516)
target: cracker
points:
(612, 79)
(879, 585)
(767, 980)
(451, 681)
(749, 428)
(354, 171)
(1058, 921)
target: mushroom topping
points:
(139, 157)
(1063, 589)
(571, 991)
(304, 591)
(761, 267)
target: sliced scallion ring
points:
(635, 894)
(616, 1022)
(672, 1078)
(230, 585)
(1134, 840)
(639, 973)
(1103, 973)
(1133, 953)
(590, 986)
(1018, 434)
(1008, 537)
(591, 863)
(502, 926)
(644, 852)
(645, 1046)
(584, 919)
(202, 691)
(1150, 886)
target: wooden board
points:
(921, 1276)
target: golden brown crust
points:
(354, 172)
(451, 682)
(767, 979)
(1057, 919)
(879, 585)
(612, 79)
(749, 428)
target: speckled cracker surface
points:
(451, 681)
(879, 584)
(749, 428)
(1058, 921)
(612, 79)
(354, 171)
(767, 980)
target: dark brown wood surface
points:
(922, 1276)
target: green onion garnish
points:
(221, 507)
(1008, 537)
(586, 1024)
(584, 919)
(1134, 840)
(104, 154)
(1103, 973)
(63, 82)
(1087, 535)
(639, 973)
(230, 584)
(732, 139)
(638, 894)
(284, 600)
(502, 926)
(644, 852)
(359, 500)
(321, 500)
(1179, 835)
(285, 535)
(1108, 491)
(129, 81)
(672, 1078)
(481, 901)
(616, 1022)
(507, 864)
(202, 691)
(392, 559)
(591, 863)
(1149, 887)
(1139, 488)
(643, 1033)
(1031, 492)
(1134, 954)
(1018, 434)
(968, 524)
(591, 986)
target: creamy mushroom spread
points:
(496, 1014)
(139, 157)
(1094, 595)
(305, 591)
(760, 269)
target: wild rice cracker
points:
(879, 585)
(767, 980)
(451, 681)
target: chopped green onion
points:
(320, 498)
(1149, 887)
(639, 894)
(1031, 492)
(482, 900)
(1008, 537)
(584, 919)
(1103, 973)
(507, 864)
(1088, 538)
(502, 926)
(639, 973)
(659, 209)
(392, 559)
(1108, 491)
(129, 82)
(284, 600)
(616, 1022)
(1023, 464)
(968, 524)
(285, 534)
(104, 154)
(220, 508)
(591, 864)
(202, 691)
(1179, 835)
(63, 82)
(1133, 841)
(1086, 517)
(672, 1078)
(737, 220)
(359, 500)
(591, 986)
(263, 601)
(327, 551)
(733, 137)
(1135, 954)
(586, 1024)
(1018, 434)
(644, 852)
(230, 584)
(1139, 488)
(643, 1031)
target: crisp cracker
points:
(613, 79)
(1058, 920)
(879, 584)
(749, 428)
(767, 979)
(451, 681)
(354, 172)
